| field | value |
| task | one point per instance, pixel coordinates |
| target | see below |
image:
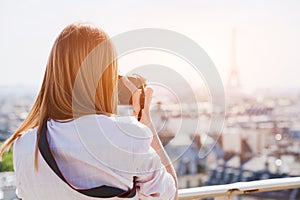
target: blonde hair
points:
(80, 79)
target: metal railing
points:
(222, 192)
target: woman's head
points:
(81, 74)
(80, 78)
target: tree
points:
(7, 162)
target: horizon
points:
(32, 90)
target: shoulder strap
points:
(100, 191)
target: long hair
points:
(80, 79)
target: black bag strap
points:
(100, 191)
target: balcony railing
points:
(226, 192)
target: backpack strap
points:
(99, 191)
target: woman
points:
(76, 109)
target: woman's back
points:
(109, 152)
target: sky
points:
(268, 32)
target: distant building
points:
(8, 186)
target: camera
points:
(124, 94)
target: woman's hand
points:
(136, 94)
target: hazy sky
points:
(268, 33)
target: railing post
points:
(229, 196)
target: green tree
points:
(7, 162)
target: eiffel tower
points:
(233, 79)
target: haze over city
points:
(267, 34)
